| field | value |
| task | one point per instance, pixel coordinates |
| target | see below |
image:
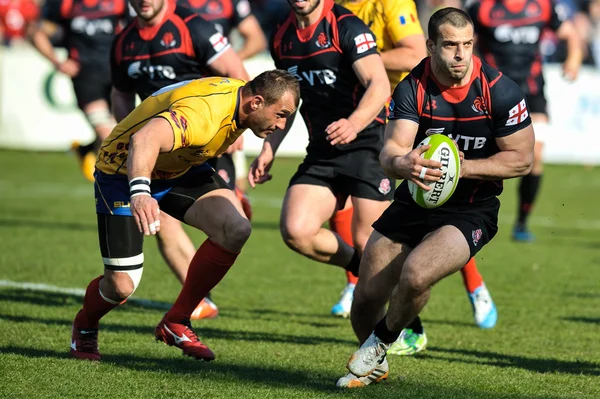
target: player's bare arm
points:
(515, 158)
(154, 138)
(575, 49)
(254, 38)
(258, 172)
(406, 53)
(372, 76)
(123, 102)
(229, 64)
(38, 37)
(398, 158)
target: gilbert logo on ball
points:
(445, 152)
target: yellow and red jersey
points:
(202, 114)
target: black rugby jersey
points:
(491, 105)
(320, 57)
(225, 14)
(89, 27)
(508, 37)
(180, 48)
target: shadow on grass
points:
(589, 320)
(514, 361)
(267, 376)
(47, 224)
(202, 330)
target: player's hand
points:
(260, 167)
(417, 169)
(69, 67)
(145, 211)
(237, 145)
(570, 70)
(341, 132)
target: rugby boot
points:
(183, 336)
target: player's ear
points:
(257, 102)
(430, 46)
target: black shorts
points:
(117, 230)
(92, 84)
(225, 168)
(408, 223)
(536, 103)
(355, 173)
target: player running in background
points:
(89, 28)
(508, 38)
(412, 248)
(227, 15)
(155, 157)
(344, 88)
(167, 44)
(401, 43)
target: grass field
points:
(275, 338)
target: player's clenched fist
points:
(418, 169)
(341, 132)
(146, 213)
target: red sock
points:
(341, 223)
(94, 306)
(471, 276)
(208, 267)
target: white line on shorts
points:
(77, 292)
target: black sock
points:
(384, 334)
(352, 267)
(416, 325)
(528, 190)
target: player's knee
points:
(412, 280)
(120, 284)
(100, 118)
(294, 235)
(238, 231)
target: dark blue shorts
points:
(174, 196)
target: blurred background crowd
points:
(15, 15)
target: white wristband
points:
(139, 186)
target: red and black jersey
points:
(320, 57)
(225, 14)
(508, 37)
(491, 105)
(180, 48)
(89, 26)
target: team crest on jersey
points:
(385, 186)
(214, 7)
(476, 235)
(364, 42)
(532, 10)
(323, 41)
(479, 105)
(168, 40)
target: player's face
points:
(453, 51)
(303, 7)
(147, 9)
(267, 119)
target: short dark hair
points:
(272, 85)
(449, 15)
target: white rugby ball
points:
(444, 151)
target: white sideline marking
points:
(77, 292)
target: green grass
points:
(275, 337)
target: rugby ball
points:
(443, 150)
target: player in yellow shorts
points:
(154, 161)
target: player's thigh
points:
(121, 245)
(306, 207)
(380, 267)
(441, 253)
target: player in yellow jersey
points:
(153, 161)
